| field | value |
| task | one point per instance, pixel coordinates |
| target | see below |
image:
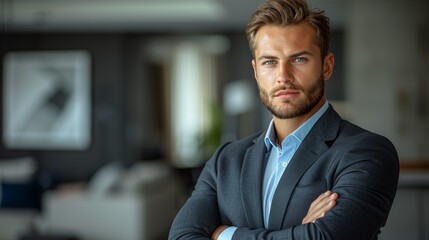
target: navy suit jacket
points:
(362, 167)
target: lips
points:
(286, 93)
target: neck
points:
(284, 127)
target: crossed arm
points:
(363, 188)
(318, 208)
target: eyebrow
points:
(290, 56)
(300, 54)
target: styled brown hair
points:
(289, 12)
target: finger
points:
(324, 206)
(320, 201)
(320, 198)
(321, 206)
(315, 205)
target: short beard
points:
(292, 109)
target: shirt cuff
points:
(227, 233)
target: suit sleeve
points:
(199, 216)
(366, 181)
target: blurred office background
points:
(111, 108)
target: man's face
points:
(289, 69)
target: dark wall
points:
(107, 54)
(239, 67)
(127, 103)
(335, 86)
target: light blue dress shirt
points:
(277, 162)
(280, 157)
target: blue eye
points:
(269, 62)
(300, 60)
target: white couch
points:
(14, 222)
(137, 204)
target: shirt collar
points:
(300, 133)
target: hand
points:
(218, 231)
(319, 207)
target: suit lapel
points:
(252, 175)
(311, 148)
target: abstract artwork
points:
(47, 100)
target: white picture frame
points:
(47, 100)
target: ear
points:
(328, 66)
(255, 71)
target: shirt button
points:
(284, 164)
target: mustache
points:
(287, 86)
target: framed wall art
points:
(47, 100)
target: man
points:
(310, 175)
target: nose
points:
(284, 73)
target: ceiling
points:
(139, 15)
